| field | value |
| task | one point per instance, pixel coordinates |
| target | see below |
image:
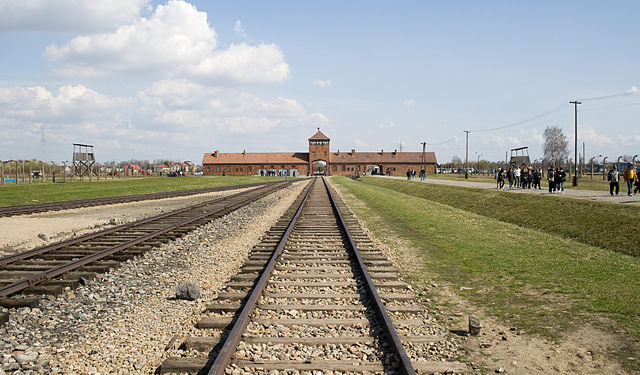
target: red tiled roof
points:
(257, 158)
(382, 158)
(319, 136)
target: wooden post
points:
(1, 173)
(16, 172)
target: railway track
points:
(315, 295)
(49, 269)
(65, 205)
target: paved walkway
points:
(575, 193)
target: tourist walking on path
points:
(637, 189)
(551, 178)
(630, 177)
(423, 175)
(614, 180)
(562, 178)
(536, 179)
(510, 177)
(408, 174)
(500, 179)
(516, 176)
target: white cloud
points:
(532, 136)
(175, 40)
(504, 141)
(409, 103)
(633, 90)
(237, 27)
(180, 112)
(77, 16)
(594, 139)
(387, 126)
(321, 83)
(360, 143)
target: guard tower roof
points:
(319, 136)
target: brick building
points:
(318, 160)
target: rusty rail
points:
(235, 335)
(405, 366)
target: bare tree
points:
(555, 145)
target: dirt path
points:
(574, 193)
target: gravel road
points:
(574, 193)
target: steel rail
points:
(63, 205)
(72, 241)
(378, 305)
(56, 271)
(232, 340)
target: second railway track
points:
(65, 205)
(315, 295)
(48, 269)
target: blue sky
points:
(156, 79)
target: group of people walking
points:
(630, 177)
(411, 174)
(528, 177)
(520, 177)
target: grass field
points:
(12, 195)
(535, 278)
(585, 183)
(605, 225)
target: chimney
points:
(215, 154)
(338, 153)
(382, 152)
(353, 151)
(244, 152)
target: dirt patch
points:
(500, 347)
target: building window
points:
(240, 169)
(314, 153)
(394, 169)
(208, 169)
(335, 168)
(218, 168)
(249, 168)
(325, 153)
(344, 168)
(228, 169)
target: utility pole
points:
(466, 158)
(575, 140)
(584, 157)
(424, 161)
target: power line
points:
(554, 110)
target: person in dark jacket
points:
(561, 178)
(614, 180)
(536, 179)
(551, 178)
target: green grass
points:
(13, 195)
(537, 280)
(605, 225)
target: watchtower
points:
(519, 156)
(83, 160)
(319, 153)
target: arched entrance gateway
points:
(319, 167)
(319, 154)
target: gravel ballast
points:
(122, 322)
(28, 231)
